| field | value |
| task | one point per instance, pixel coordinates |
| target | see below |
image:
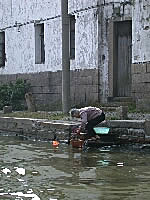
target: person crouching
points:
(90, 117)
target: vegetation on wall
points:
(13, 94)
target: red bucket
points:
(77, 143)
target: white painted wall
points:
(78, 5)
(86, 42)
(20, 45)
(20, 48)
(24, 11)
(141, 31)
(20, 41)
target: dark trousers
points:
(92, 123)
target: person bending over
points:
(90, 117)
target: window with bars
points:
(2, 49)
(72, 36)
(39, 44)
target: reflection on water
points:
(38, 171)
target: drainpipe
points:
(65, 57)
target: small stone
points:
(7, 109)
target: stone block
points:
(37, 89)
(141, 78)
(136, 78)
(137, 124)
(148, 68)
(143, 104)
(138, 87)
(7, 109)
(147, 127)
(146, 78)
(30, 101)
(55, 89)
(138, 68)
(122, 112)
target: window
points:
(2, 49)
(39, 44)
(72, 37)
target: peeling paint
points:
(141, 31)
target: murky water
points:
(38, 171)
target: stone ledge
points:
(43, 129)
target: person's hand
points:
(78, 130)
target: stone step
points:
(120, 99)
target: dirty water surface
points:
(35, 170)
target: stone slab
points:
(43, 129)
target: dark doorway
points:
(122, 58)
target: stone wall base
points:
(141, 85)
(46, 87)
(46, 130)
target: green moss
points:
(132, 108)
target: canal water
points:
(35, 170)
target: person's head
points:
(75, 113)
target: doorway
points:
(122, 53)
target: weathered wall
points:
(86, 55)
(20, 49)
(78, 5)
(109, 12)
(141, 85)
(141, 31)
(92, 35)
(18, 24)
(92, 69)
(13, 11)
(46, 78)
(84, 69)
(119, 11)
(141, 54)
(47, 87)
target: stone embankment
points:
(135, 127)
(46, 130)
